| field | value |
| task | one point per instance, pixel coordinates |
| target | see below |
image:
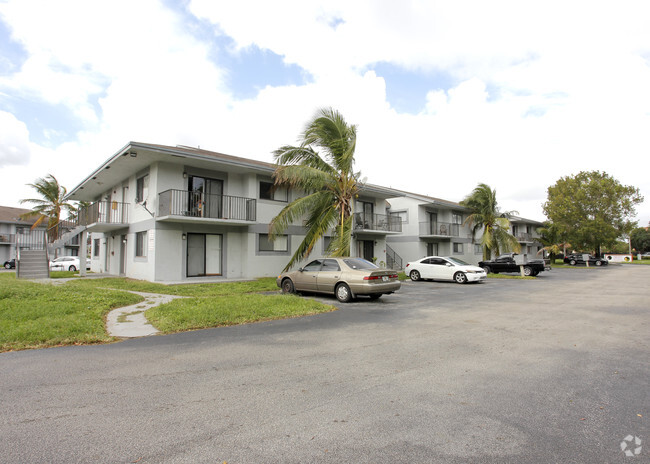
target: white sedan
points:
(444, 268)
(67, 263)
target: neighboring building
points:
(12, 229)
(431, 227)
(434, 227)
(164, 213)
(526, 232)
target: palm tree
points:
(327, 179)
(486, 216)
(553, 240)
(51, 203)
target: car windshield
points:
(458, 262)
(359, 263)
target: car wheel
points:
(287, 286)
(528, 271)
(72, 268)
(343, 293)
(7, 266)
(599, 263)
(460, 278)
(487, 269)
(415, 276)
(375, 296)
(572, 262)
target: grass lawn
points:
(38, 315)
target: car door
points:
(328, 276)
(307, 279)
(442, 269)
(425, 268)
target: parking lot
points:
(554, 369)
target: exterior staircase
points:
(393, 260)
(31, 255)
(33, 264)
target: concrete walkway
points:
(129, 321)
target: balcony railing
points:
(7, 238)
(380, 222)
(201, 205)
(524, 237)
(100, 212)
(445, 229)
(104, 212)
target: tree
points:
(51, 203)
(327, 179)
(640, 239)
(592, 209)
(486, 217)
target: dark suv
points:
(11, 264)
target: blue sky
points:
(444, 95)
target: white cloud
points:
(14, 141)
(539, 92)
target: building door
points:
(205, 197)
(433, 224)
(204, 254)
(432, 249)
(123, 255)
(368, 215)
(368, 249)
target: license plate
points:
(384, 278)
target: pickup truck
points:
(506, 263)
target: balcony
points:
(7, 239)
(185, 206)
(103, 216)
(524, 237)
(378, 223)
(439, 229)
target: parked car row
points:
(579, 258)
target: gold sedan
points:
(346, 278)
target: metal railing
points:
(201, 205)
(104, 212)
(393, 260)
(524, 237)
(440, 228)
(383, 222)
(31, 239)
(7, 238)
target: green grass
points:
(38, 315)
(35, 315)
(199, 313)
(265, 284)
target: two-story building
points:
(163, 213)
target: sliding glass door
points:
(204, 255)
(205, 197)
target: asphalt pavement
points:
(555, 369)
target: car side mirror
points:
(448, 264)
(302, 269)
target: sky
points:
(445, 94)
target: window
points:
(269, 192)
(141, 244)
(330, 265)
(281, 243)
(458, 247)
(96, 248)
(327, 240)
(477, 249)
(142, 188)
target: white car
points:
(67, 263)
(444, 268)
